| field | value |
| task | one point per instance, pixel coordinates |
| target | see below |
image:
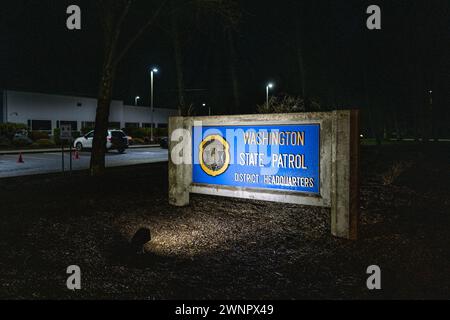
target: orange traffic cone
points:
(20, 160)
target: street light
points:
(152, 73)
(269, 86)
(209, 107)
(136, 100)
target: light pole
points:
(152, 73)
(269, 86)
(136, 100)
(431, 117)
(209, 108)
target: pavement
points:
(24, 151)
(51, 161)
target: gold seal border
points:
(227, 155)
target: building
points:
(46, 112)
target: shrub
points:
(145, 133)
(8, 130)
(21, 141)
(38, 135)
(44, 143)
(161, 132)
(138, 141)
(57, 136)
(139, 133)
(5, 142)
(288, 104)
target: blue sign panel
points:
(275, 157)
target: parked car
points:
(21, 140)
(116, 140)
(164, 143)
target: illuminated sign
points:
(275, 157)
(309, 158)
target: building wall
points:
(24, 106)
(2, 111)
(142, 115)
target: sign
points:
(274, 157)
(66, 132)
(299, 158)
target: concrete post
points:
(180, 150)
(345, 174)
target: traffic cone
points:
(20, 160)
(76, 156)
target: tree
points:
(230, 34)
(175, 31)
(233, 71)
(230, 17)
(182, 19)
(288, 104)
(113, 14)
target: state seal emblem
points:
(214, 155)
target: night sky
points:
(345, 64)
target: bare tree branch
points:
(121, 21)
(139, 34)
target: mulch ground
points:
(220, 248)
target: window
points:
(41, 125)
(87, 125)
(73, 124)
(129, 125)
(90, 135)
(146, 125)
(114, 125)
(163, 125)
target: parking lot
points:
(49, 162)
